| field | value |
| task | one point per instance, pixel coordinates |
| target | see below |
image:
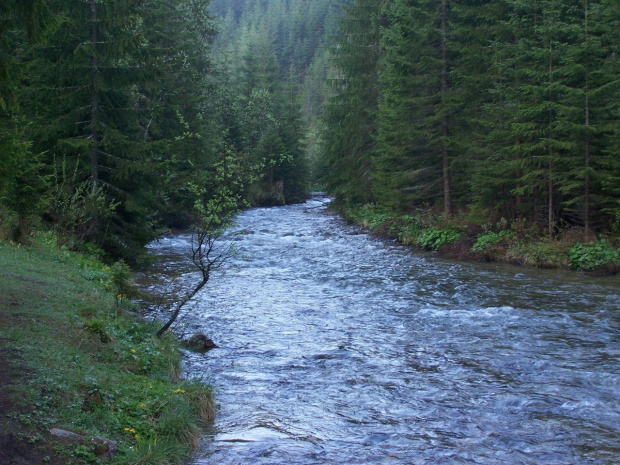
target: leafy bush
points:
(76, 208)
(368, 216)
(406, 228)
(593, 255)
(99, 327)
(491, 238)
(433, 239)
(120, 278)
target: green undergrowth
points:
(467, 238)
(84, 361)
(421, 230)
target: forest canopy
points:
(118, 117)
(506, 108)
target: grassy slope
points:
(73, 357)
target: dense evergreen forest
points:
(493, 108)
(119, 118)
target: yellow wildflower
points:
(133, 351)
(179, 391)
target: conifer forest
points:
(319, 232)
(121, 118)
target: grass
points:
(80, 358)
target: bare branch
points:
(206, 257)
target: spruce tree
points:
(80, 90)
(417, 114)
(350, 114)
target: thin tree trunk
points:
(447, 195)
(550, 203)
(519, 173)
(179, 305)
(94, 109)
(586, 195)
(94, 115)
(550, 148)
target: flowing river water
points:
(337, 348)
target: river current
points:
(337, 348)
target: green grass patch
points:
(83, 360)
(544, 253)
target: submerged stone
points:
(199, 343)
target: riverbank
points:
(76, 356)
(461, 239)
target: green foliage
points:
(155, 451)
(423, 230)
(434, 239)
(99, 327)
(76, 208)
(120, 281)
(545, 253)
(412, 161)
(368, 216)
(593, 256)
(510, 108)
(407, 228)
(349, 116)
(487, 239)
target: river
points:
(337, 348)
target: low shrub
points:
(487, 239)
(546, 253)
(406, 228)
(433, 239)
(368, 216)
(593, 255)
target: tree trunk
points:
(550, 148)
(519, 199)
(94, 109)
(447, 195)
(586, 195)
(550, 200)
(94, 115)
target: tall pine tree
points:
(350, 114)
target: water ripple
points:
(336, 348)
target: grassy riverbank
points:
(75, 355)
(518, 243)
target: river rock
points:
(104, 448)
(63, 433)
(199, 343)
